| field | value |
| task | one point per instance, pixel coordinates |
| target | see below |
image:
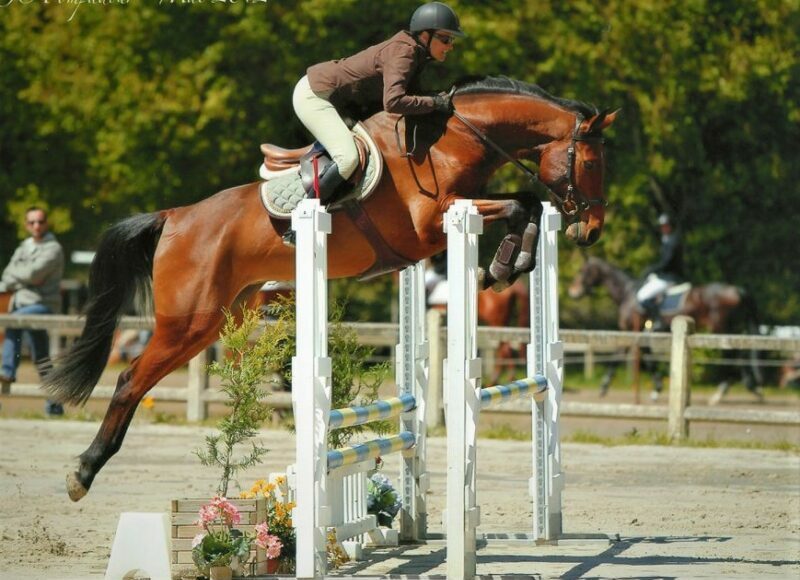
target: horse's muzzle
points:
(580, 234)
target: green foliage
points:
(127, 108)
(242, 373)
(355, 381)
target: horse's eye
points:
(588, 165)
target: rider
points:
(667, 271)
(382, 76)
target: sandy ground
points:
(689, 513)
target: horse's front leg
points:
(516, 252)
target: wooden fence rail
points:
(679, 344)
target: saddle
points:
(289, 174)
(278, 159)
(674, 299)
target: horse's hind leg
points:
(175, 341)
(608, 377)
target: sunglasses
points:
(444, 39)
(33, 222)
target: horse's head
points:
(572, 168)
(588, 277)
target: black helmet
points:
(435, 16)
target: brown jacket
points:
(384, 73)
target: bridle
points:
(574, 201)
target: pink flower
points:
(197, 539)
(262, 530)
(274, 548)
(267, 541)
(226, 510)
(208, 513)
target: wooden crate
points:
(184, 528)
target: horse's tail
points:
(122, 267)
(750, 316)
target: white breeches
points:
(652, 287)
(321, 118)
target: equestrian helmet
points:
(435, 16)
(663, 220)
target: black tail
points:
(122, 267)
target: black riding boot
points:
(329, 181)
(652, 313)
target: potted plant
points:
(219, 543)
(276, 534)
(382, 499)
(242, 372)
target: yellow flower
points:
(148, 402)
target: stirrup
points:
(289, 238)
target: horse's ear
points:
(602, 120)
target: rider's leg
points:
(323, 121)
(647, 298)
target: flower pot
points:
(273, 565)
(384, 519)
(220, 573)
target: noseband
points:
(574, 201)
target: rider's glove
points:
(443, 103)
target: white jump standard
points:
(330, 486)
(465, 398)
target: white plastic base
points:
(142, 544)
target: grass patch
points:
(504, 432)
(635, 437)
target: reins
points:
(574, 201)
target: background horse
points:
(216, 253)
(508, 307)
(715, 307)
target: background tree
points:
(136, 107)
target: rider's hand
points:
(443, 103)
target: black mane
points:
(501, 84)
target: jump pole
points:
(463, 226)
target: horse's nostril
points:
(593, 236)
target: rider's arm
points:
(399, 66)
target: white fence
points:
(198, 395)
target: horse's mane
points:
(501, 84)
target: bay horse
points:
(214, 254)
(715, 308)
(507, 307)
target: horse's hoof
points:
(75, 488)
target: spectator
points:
(34, 277)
